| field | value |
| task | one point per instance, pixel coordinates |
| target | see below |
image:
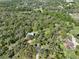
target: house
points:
(69, 1)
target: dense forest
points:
(44, 27)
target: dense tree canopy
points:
(46, 19)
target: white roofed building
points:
(69, 1)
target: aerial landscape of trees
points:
(31, 27)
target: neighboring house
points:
(69, 1)
(4, 0)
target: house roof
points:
(69, 0)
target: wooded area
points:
(39, 29)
